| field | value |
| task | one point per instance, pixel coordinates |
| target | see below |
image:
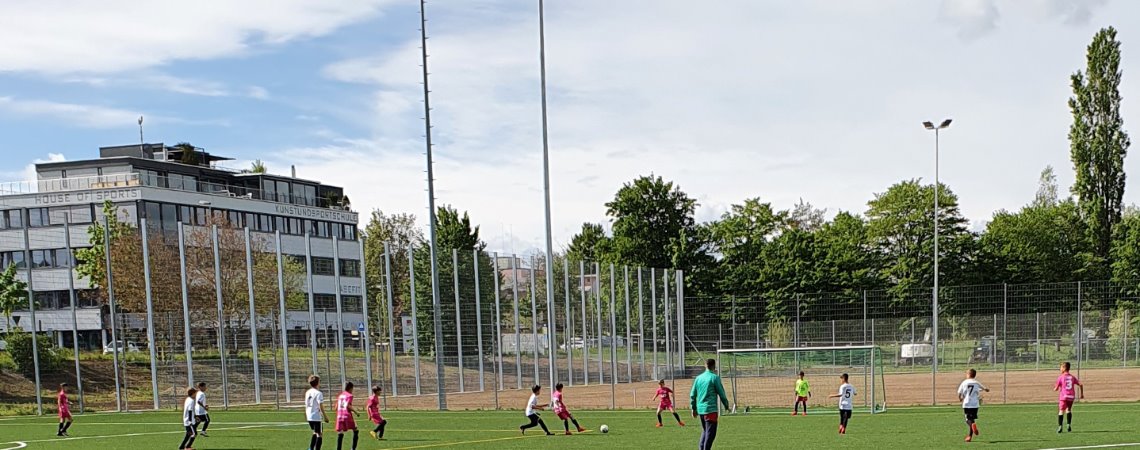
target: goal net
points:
(764, 378)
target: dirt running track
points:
(1102, 385)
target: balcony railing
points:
(69, 184)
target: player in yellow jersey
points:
(803, 392)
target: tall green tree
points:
(589, 244)
(1043, 242)
(901, 227)
(454, 231)
(13, 294)
(740, 237)
(92, 260)
(1098, 143)
(400, 233)
(1126, 252)
(649, 215)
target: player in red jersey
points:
(345, 420)
(561, 411)
(1067, 385)
(373, 407)
(64, 410)
(666, 404)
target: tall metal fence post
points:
(641, 324)
(284, 315)
(150, 333)
(534, 318)
(732, 321)
(478, 321)
(585, 334)
(221, 316)
(668, 323)
(613, 338)
(113, 311)
(35, 328)
(185, 305)
(75, 315)
(1080, 337)
(679, 278)
(865, 317)
(253, 319)
(312, 308)
(518, 329)
(458, 317)
(1037, 339)
(498, 325)
(653, 301)
(362, 272)
(1004, 342)
(1124, 341)
(569, 321)
(597, 284)
(628, 330)
(415, 319)
(390, 291)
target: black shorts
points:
(971, 413)
(844, 414)
(315, 426)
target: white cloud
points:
(60, 37)
(821, 101)
(257, 92)
(86, 116)
(974, 18)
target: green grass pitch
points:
(1014, 426)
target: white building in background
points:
(168, 185)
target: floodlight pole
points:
(546, 190)
(934, 335)
(436, 308)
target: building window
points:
(71, 214)
(324, 302)
(63, 259)
(150, 178)
(351, 303)
(42, 258)
(11, 219)
(323, 266)
(349, 268)
(10, 258)
(38, 217)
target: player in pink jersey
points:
(561, 411)
(1067, 385)
(64, 410)
(373, 407)
(666, 404)
(345, 420)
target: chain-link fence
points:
(1014, 335)
(253, 315)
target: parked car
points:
(575, 343)
(118, 347)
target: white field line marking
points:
(155, 433)
(1130, 444)
(18, 446)
(158, 423)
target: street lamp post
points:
(934, 336)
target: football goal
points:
(764, 378)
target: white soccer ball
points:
(604, 429)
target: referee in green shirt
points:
(707, 388)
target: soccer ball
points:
(604, 429)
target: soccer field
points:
(1017, 427)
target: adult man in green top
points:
(707, 389)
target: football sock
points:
(566, 424)
(339, 440)
(675, 416)
(659, 418)
(575, 422)
(1068, 416)
(66, 426)
(60, 431)
(355, 438)
(313, 442)
(1060, 420)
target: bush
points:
(780, 333)
(20, 347)
(1117, 327)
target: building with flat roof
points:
(167, 186)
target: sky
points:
(733, 99)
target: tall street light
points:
(934, 337)
(546, 191)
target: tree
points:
(1098, 143)
(649, 215)
(400, 233)
(740, 237)
(92, 260)
(804, 216)
(901, 228)
(1044, 242)
(1126, 253)
(190, 153)
(13, 294)
(454, 231)
(590, 244)
(257, 166)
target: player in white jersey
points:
(846, 398)
(201, 411)
(315, 411)
(188, 420)
(970, 393)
